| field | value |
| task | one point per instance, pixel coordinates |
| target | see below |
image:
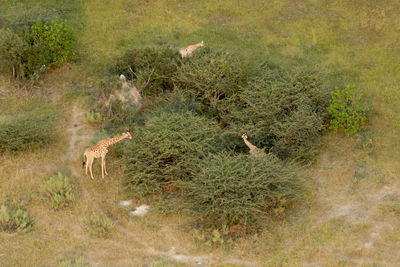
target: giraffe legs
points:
(90, 163)
(105, 169)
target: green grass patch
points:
(57, 191)
(15, 220)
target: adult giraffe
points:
(100, 151)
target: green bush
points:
(280, 112)
(214, 77)
(58, 191)
(27, 54)
(347, 110)
(160, 152)
(30, 128)
(15, 220)
(97, 225)
(229, 191)
(153, 65)
(57, 38)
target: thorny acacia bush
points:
(151, 69)
(58, 191)
(15, 220)
(30, 128)
(161, 152)
(347, 110)
(97, 225)
(284, 113)
(214, 77)
(240, 190)
(27, 54)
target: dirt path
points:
(80, 134)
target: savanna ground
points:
(349, 217)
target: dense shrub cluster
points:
(347, 110)
(162, 152)
(283, 113)
(228, 190)
(28, 53)
(15, 220)
(176, 152)
(31, 127)
(57, 191)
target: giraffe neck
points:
(250, 145)
(114, 140)
(195, 46)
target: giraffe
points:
(187, 51)
(100, 151)
(253, 149)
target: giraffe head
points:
(127, 135)
(244, 136)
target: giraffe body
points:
(253, 149)
(187, 51)
(100, 151)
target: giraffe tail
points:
(84, 161)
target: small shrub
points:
(214, 77)
(153, 65)
(240, 192)
(93, 117)
(98, 226)
(58, 191)
(30, 128)
(159, 153)
(15, 220)
(77, 262)
(347, 110)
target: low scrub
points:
(30, 128)
(57, 191)
(17, 220)
(239, 192)
(97, 225)
(76, 262)
(161, 152)
(347, 110)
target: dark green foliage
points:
(30, 128)
(214, 77)
(241, 190)
(281, 112)
(151, 69)
(348, 110)
(27, 54)
(161, 152)
(15, 220)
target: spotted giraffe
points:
(187, 51)
(253, 149)
(100, 151)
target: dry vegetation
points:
(351, 216)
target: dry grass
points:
(348, 218)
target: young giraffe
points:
(100, 151)
(187, 51)
(253, 149)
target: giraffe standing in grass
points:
(187, 51)
(100, 151)
(253, 149)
